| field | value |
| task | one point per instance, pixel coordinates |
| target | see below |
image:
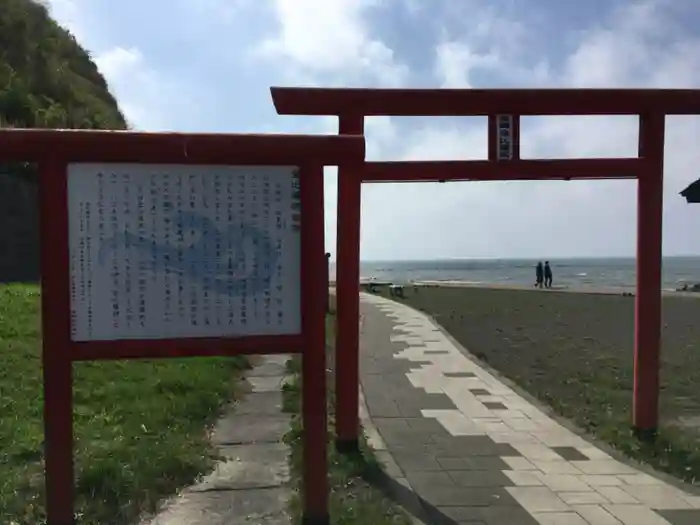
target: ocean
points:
(568, 273)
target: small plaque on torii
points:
(504, 134)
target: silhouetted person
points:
(547, 275)
(539, 274)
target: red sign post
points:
(503, 107)
(71, 166)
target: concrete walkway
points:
(250, 486)
(475, 451)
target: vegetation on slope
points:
(46, 79)
(140, 426)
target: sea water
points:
(568, 273)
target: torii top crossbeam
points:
(475, 102)
(352, 105)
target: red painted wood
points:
(327, 278)
(466, 102)
(186, 347)
(177, 148)
(486, 170)
(516, 137)
(347, 376)
(314, 404)
(57, 366)
(647, 336)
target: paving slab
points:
(470, 449)
(250, 428)
(243, 468)
(249, 507)
(250, 485)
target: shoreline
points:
(604, 290)
(589, 290)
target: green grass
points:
(140, 427)
(353, 499)
(575, 353)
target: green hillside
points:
(46, 81)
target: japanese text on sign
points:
(505, 137)
(172, 251)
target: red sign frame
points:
(53, 150)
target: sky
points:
(207, 65)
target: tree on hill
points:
(47, 80)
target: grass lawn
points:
(575, 352)
(353, 500)
(139, 426)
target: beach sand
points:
(609, 290)
(599, 290)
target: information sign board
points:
(171, 251)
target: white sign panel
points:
(172, 251)
(505, 137)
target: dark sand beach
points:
(574, 351)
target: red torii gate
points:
(501, 106)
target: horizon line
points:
(550, 258)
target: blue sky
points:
(207, 65)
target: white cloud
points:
(117, 65)
(67, 12)
(331, 38)
(486, 38)
(149, 98)
(138, 88)
(645, 43)
(455, 61)
(640, 45)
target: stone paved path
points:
(250, 486)
(476, 452)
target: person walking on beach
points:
(547, 275)
(539, 275)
